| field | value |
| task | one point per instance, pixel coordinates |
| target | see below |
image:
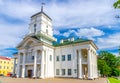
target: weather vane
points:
(42, 4)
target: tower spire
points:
(42, 5)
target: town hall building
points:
(40, 57)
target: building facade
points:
(39, 57)
(6, 65)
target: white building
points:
(39, 57)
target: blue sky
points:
(89, 19)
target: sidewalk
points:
(54, 80)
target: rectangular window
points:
(50, 57)
(63, 71)
(69, 72)
(32, 57)
(57, 72)
(63, 57)
(57, 58)
(69, 57)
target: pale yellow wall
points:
(6, 66)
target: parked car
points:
(9, 74)
(1, 75)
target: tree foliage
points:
(105, 70)
(108, 64)
(117, 4)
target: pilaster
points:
(18, 66)
(42, 64)
(89, 65)
(35, 64)
(80, 64)
(23, 66)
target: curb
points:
(108, 81)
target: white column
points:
(23, 66)
(80, 64)
(35, 64)
(18, 66)
(14, 68)
(46, 57)
(89, 65)
(42, 65)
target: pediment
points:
(27, 42)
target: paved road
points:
(56, 80)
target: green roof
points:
(68, 42)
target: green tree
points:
(109, 58)
(108, 64)
(105, 70)
(117, 4)
(115, 72)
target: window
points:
(32, 57)
(63, 71)
(69, 71)
(34, 27)
(57, 72)
(50, 57)
(47, 31)
(63, 57)
(47, 26)
(57, 58)
(75, 70)
(69, 57)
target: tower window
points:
(47, 31)
(47, 26)
(34, 27)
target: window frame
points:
(69, 71)
(57, 72)
(57, 58)
(69, 58)
(63, 57)
(63, 71)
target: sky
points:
(89, 19)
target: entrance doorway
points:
(85, 70)
(30, 73)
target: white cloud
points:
(78, 13)
(67, 34)
(56, 32)
(11, 34)
(89, 33)
(110, 42)
(71, 14)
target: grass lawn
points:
(113, 80)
